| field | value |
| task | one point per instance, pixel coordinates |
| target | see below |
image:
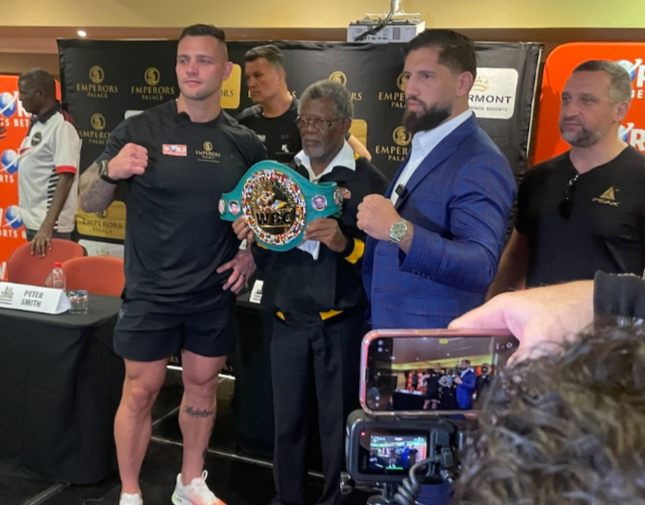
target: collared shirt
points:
(464, 372)
(52, 146)
(344, 158)
(422, 145)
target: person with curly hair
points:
(564, 428)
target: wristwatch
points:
(103, 172)
(398, 231)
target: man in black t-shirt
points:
(431, 383)
(584, 210)
(273, 117)
(182, 262)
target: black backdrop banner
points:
(103, 80)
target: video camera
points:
(407, 440)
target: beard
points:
(428, 118)
(583, 137)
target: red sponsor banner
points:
(16, 121)
(557, 70)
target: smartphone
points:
(430, 372)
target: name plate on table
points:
(33, 298)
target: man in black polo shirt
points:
(274, 114)
(584, 210)
(182, 262)
(319, 301)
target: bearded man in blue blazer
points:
(436, 237)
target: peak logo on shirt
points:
(174, 150)
(607, 198)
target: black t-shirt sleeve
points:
(257, 151)
(618, 295)
(118, 138)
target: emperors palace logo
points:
(207, 153)
(96, 135)
(231, 89)
(107, 224)
(396, 98)
(341, 78)
(152, 76)
(96, 87)
(151, 91)
(397, 151)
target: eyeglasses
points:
(566, 205)
(318, 124)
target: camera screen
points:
(392, 453)
(433, 373)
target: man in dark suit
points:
(436, 237)
(466, 382)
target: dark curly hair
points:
(564, 429)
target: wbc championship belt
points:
(278, 203)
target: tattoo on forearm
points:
(95, 194)
(193, 412)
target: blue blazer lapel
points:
(438, 155)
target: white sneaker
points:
(130, 499)
(197, 493)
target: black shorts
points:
(151, 331)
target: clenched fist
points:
(131, 160)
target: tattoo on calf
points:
(193, 412)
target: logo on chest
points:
(207, 153)
(174, 150)
(607, 198)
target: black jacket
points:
(302, 288)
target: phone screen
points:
(425, 372)
(385, 453)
